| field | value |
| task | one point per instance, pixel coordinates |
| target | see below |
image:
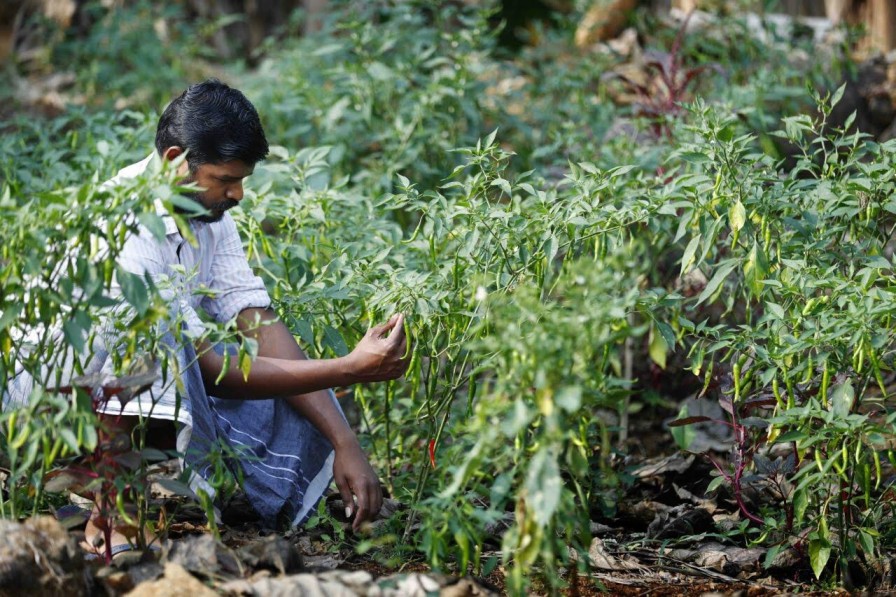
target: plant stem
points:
(628, 367)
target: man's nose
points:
(235, 192)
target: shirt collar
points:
(153, 161)
(167, 220)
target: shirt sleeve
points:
(234, 286)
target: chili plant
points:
(799, 258)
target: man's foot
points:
(94, 543)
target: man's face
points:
(223, 187)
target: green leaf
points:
(620, 171)
(775, 309)
(737, 216)
(516, 421)
(866, 540)
(503, 185)
(9, 315)
(245, 360)
(842, 396)
(684, 435)
(134, 290)
(755, 269)
(668, 333)
(688, 258)
(771, 554)
(838, 95)
(800, 503)
(153, 455)
(569, 398)
(715, 484)
(74, 334)
(175, 487)
(721, 273)
(500, 488)
(794, 435)
(543, 486)
(305, 331)
(334, 341)
(152, 222)
(658, 348)
(70, 440)
(819, 554)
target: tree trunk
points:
(878, 16)
(880, 21)
(803, 8)
(837, 10)
(685, 5)
(603, 21)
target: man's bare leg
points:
(160, 434)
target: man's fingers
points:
(370, 501)
(346, 493)
(376, 501)
(363, 508)
(397, 329)
(380, 330)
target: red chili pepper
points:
(432, 453)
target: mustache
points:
(217, 209)
(226, 205)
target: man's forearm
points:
(274, 338)
(271, 377)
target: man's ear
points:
(174, 152)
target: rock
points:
(358, 581)
(38, 557)
(707, 436)
(642, 514)
(177, 582)
(243, 586)
(707, 504)
(496, 528)
(680, 521)
(785, 560)
(727, 559)
(272, 553)
(464, 587)
(390, 507)
(675, 464)
(323, 562)
(603, 21)
(116, 582)
(306, 585)
(602, 559)
(414, 584)
(626, 45)
(202, 555)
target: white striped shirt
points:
(213, 276)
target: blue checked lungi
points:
(285, 463)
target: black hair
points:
(214, 123)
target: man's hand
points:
(381, 354)
(356, 479)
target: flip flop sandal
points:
(72, 516)
(117, 549)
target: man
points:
(283, 415)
